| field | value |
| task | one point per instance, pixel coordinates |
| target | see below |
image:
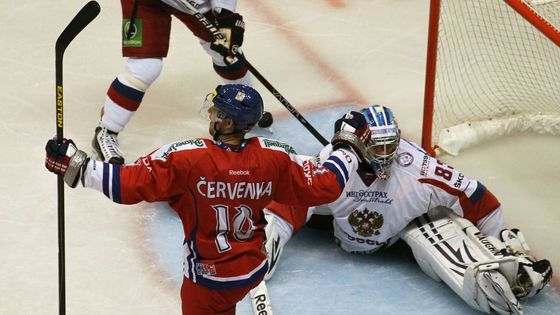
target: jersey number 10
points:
(241, 222)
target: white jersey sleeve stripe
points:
(104, 177)
(341, 163)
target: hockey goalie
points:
(454, 225)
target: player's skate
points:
(106, 146)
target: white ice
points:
(324, 57)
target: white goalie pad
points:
(451, 249)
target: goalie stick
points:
(78, 23)
(241, 56)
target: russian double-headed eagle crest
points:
(365, 222)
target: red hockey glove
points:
(352, 132)
(231, 25)
(65, 159)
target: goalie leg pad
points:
(452, 249)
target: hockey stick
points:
(260, 300)
(239, 54)
(78, 23)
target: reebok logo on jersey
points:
(239, 172)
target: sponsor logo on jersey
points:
(233, 191)
(459, 181)
(365, 222)
(268, 143)
(308, 172)
(239, 172)
(317, 170)
(180, 145)
(367, 241)
(405, 159)
(425, 165)
(146, 162)
(205, 269)
(370, 196)
(135, 39)
(347, 156)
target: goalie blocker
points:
(487, 273)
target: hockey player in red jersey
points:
(145, 42)
(219, 188)
(454, 225)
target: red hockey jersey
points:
(219, 193)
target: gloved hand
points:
(352, 132)
(65, 159)
(533, 275)
(231, 25)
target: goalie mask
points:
(241, 103)
(385, 137)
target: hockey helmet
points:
(241, 103)
(385, 138)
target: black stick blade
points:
(78, 23)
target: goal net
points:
(493, 68)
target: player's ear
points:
(228, 124)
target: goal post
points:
(492, 69)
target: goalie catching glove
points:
(352, 132)
(66, 160)
(230, 25)
(532, 275)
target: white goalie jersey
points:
(371, 214)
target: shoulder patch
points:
(190, 144)
(276, 145)
(405, 159)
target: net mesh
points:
(493, 64)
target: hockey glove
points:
(231, 25)
(66, 160)
(352, 132)
(532, 275)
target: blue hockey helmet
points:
(385, 138)
(241, 103)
